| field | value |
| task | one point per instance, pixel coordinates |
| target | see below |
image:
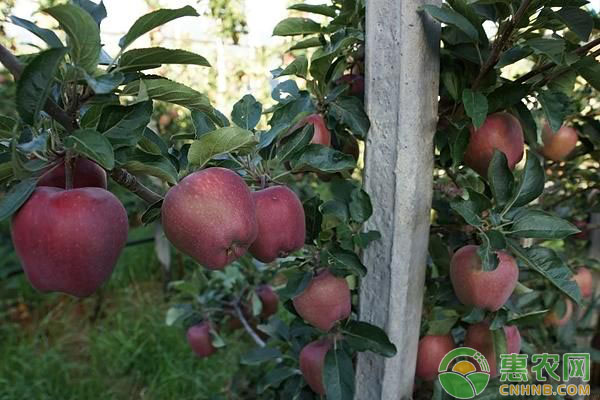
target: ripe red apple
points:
(552, 318)
(479, 337)
(281, 225)
(86, 173)
(559, 144)
(585, 280)
(356, 82)
(199, 339)
(432, 349)
(269, 300)
(325, 301)
(210, 216)
(69, 240)
(484, 289)
(500, 131)
(321, 134)
(585, 233)
(312, 362)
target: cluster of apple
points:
(489, 290)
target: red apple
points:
(325, 301)
(479, 337)
(86, 173)
(356, 82)
(69, 240)
(585, 281)
(321, 134)
(431, 351)
(484, 289)
(281, 224)
(552, 318)
(500, 131)
(559, 144)
(200, 340)
(584, 234)
(210, 216)
(312, 362)
(269, 300)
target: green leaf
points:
(324, 159)
(531, 182)
(16, 197)
(296, 26)
(506, 96)
(36, 82)
(335, 213)
(294, 145)
(451, 17)
(360, 205)
(142, 163)
(344, 262)
(152, 213)
(171, 92)
(274, 377)
(547, 263)
(590, 71)
(260, 355)
(322, 9)
(246, 112)
(579, 21)
(221, 141)
(297, 281)
(552, 48)
(96, 10)
(92, 145)
(153, 20)
(499, 343)
(349, 111)
(556, 106)
(501, 178)
(527, 122)
(307, 43)
(476, 106)
(540, 225)
(338, 375)
(83, 34)
(202, 123)
(366, 337)
(106, 83)
(513, 55)
(459, 141)
(442, 319)
(154, 57)
(298, 67)
(124, 125)
(46, 35)
(471, 208)
(7, 126)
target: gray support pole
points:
(402, 65)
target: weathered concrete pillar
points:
(402, 66)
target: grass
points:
(51, 349)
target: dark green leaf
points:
(360, 205)
(202, 123)
(441, 321)
(350, 112)
(16, 196)
(343, 262)
(96, 10)
(36, 82)
(506, 96)
(324, 159)
(366, 337)
(531, 182)
(513, 55)
(7, 126)
(579, 21)
(297, 281)
(221, 141)
(591, 73)
(363, 239)
(298, 67)
(260, 355)
(296, 26)
(540, 225)
(306, 43)
(556, 107)
(294, 145)
(105, 83)
(552, 48)
(93, 145)
(322, 9)
(476, 106)
(338, 375)
(152, 213)
(124, 125)
(153, 20)
(45, 34)
(153, 57)
(499, 343)
(152, 143)
(471, 208)
(142, 163)
(246, 112)
(500, 178)
(451, 17)
(459, 141)
(528, 123)
(313, 218)
(83, 34)
(274, 377)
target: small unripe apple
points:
(479, 337)
(321, 134)
(356, 82)
(559, 144)
(325, 301)
(69, 240)
(500, 131)
(483, 289)
(269, 300)
(431, 351)
(585, 280)
(552, 318)
(86, 173)
(281, 224)
(210, 216)
(200, 340)
(312, 362)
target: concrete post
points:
(402, 66)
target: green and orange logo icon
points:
(464, 373)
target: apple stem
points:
(69, 162)
(247, 326)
